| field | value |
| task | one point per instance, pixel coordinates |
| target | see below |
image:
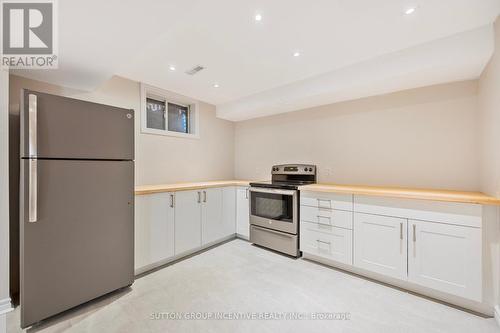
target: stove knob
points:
(310, 169)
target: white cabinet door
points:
(228, 211)
(211, 215)
(445, 257)
(154, 228)
(380, 244)
(242, 212)
(187, 221)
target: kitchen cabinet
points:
(172, 224)
(228, 211)
(327, 200)
(326, 241)
(212, 224)
(154, 228)
(445, 257)
(242, 212)
(326, 217)
(380, 244)
(187, 220)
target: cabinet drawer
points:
(443, 212)
(326, 200)
(335, 245)
(326, 218)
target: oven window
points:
(272, 206)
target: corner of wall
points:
(5, 304)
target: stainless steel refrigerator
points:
(76, 203)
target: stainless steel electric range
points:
(274, 207)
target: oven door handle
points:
(272, 190)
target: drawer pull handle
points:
(325, 217)
(401, 231)
(321, 241)
(329, 202)
(414, 233)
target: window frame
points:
(148, 91)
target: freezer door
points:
(80, 243)
(60, 127)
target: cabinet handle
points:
(414, 233)
(325, 217)
(327, 201)
(204, 196)
(199, 196)
(246, 193)
(320, 241)
(172, 200)
(401, 231)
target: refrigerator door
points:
(77, 233)
(60, 127)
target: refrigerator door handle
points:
(32, 190)
(32, 124)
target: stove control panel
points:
(294, 169)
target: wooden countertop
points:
(407, 193)
(381, 191)
(150, 189)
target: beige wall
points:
(4, 198)
(489, 110)
(426, 137)
(159, 159)
(489, 118)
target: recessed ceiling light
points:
(410, 10)
(258, 17)
(296, 54)
(172, 68)
(216, 85)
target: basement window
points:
(166, 113)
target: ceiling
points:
(348, 48)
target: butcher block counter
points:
(406, 193)
(380, 191)
(151, 189)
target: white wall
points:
(4, 197)
(489, 106)
(159, 159)
(426, 137)
(489, 115)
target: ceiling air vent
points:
(195, 70)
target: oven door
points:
(274, 209)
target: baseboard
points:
(162, 263)
(5, 306)
(240, 236)
(497, 314)
(474, 307)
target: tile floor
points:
(238, 277)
